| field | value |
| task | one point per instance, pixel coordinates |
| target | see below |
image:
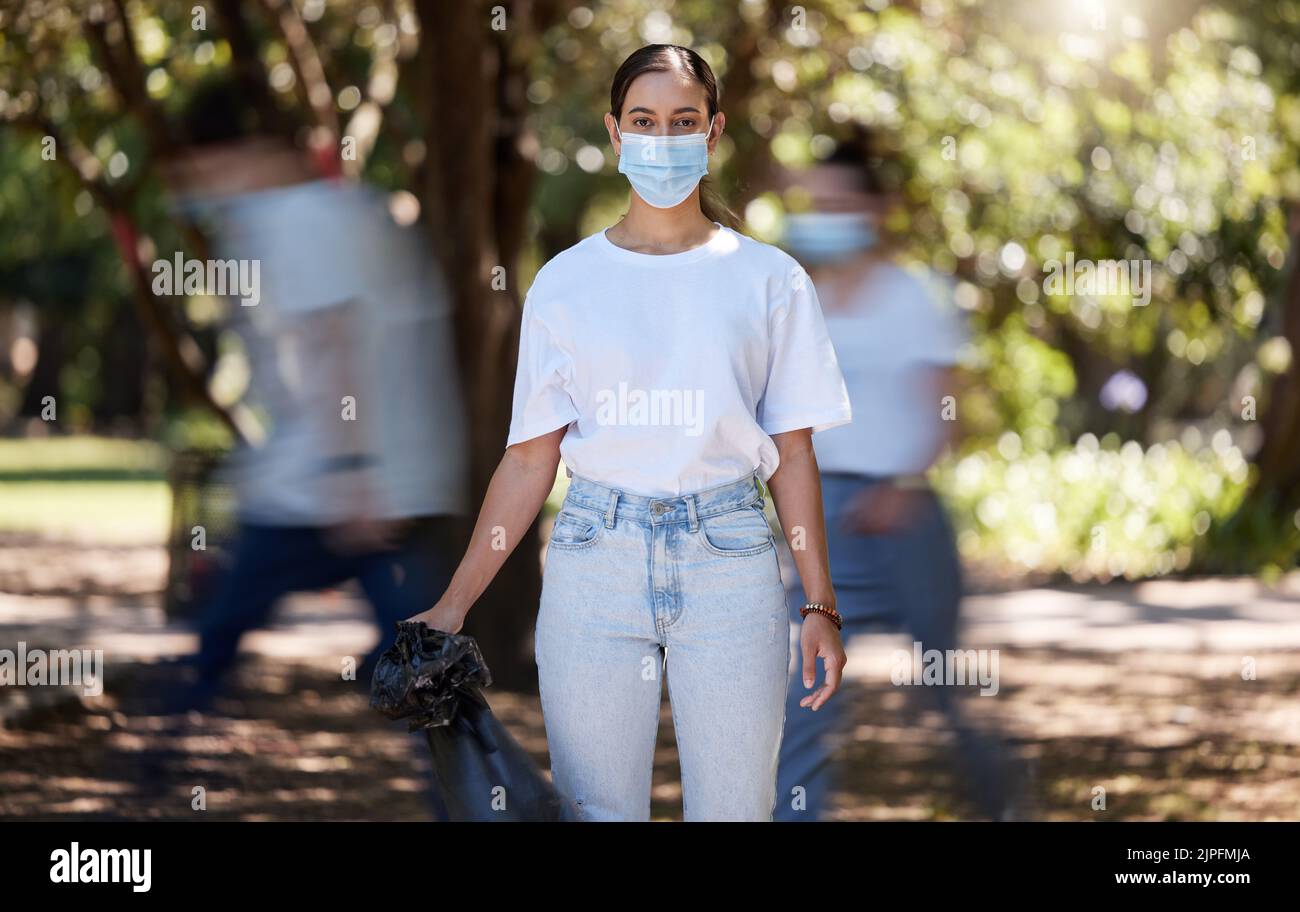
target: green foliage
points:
(1098, 510)
(1016, 133)
(196, 429)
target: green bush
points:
(1099, 510)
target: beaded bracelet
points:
(818, 608)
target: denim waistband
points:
(680, 508)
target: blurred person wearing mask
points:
(362, 472)
(892, 553)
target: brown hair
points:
(859, 151)
(661, 58)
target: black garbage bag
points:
(434, 680)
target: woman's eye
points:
(641, 122)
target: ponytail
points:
(715, 209)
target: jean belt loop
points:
(613, 505)
(691, 514)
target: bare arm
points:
(797, 494)
(514, 497)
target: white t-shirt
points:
(350, 306)
(898, 326)
(673, 372)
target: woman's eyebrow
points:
(678, 111)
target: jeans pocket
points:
(575, 529)
(737, 533)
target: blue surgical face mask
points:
(663, 170)
(816, 238)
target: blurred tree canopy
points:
(1018, 133)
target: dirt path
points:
(1137, 690)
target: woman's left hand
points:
(819, 638)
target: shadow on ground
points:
(1167, 737)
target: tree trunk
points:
(1263, 530)
(476, 193)
(1279, 455)
(50, 359)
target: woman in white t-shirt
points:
(673, 364)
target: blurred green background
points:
(1016, 132)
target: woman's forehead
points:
(666, 92)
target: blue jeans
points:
(633, 584)
(908, 580)
(269, 562)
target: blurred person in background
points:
(362, 473)
(892, 552)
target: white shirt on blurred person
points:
(351, 306)
(895, 327)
